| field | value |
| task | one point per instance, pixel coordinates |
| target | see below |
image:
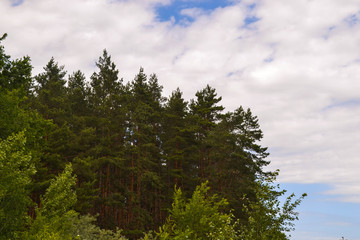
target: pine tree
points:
(179, 145)
(50, 92)
(84, 138)
(174, 138)
(143, 153)
(78, 94)
(50, 101)
(205, 113)
(237, 157)
(107, 100)
(129, 147)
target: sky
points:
(295, 64)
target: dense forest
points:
(102, 158)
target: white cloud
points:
(292, 67)
(193, 12)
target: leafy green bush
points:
(200, 217)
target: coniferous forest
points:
(105, 158)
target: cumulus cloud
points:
(295, 66)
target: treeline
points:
(128, 144)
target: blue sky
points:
(294, 63)
(16, 2)
(323, 215)
(166, 12)
(174, 10)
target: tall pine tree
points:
(108, 120)
(205, 113)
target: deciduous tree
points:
(16, 170)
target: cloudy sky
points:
(296, 64)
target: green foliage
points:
(268, 220)
(77, 93)
(86, 229)
(14, 74)
(16, 169)
(14, 117)
(86, 179)
(60, 197)
(129, 146)
(15, 114)
(50, 101)
(54, 218)
(50, 92)
(233, 157)
(200, 217)
(205, 107)
(177, 142)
